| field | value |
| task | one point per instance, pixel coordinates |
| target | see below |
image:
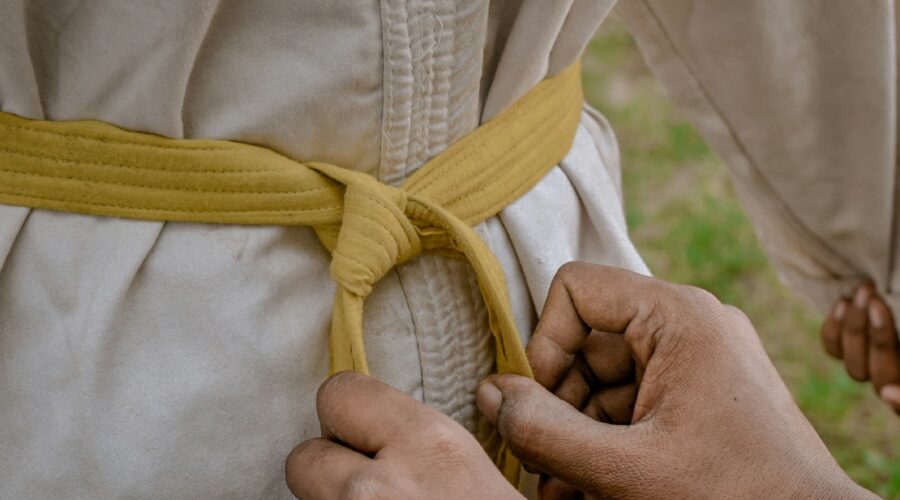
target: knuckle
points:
(334, 389)
(294, 457)
(294, 464)
(698, 297)
(364, 486)
(697, 315)
(446, 437)
(652, 315)
(290, 462)
(335, 383)
(735, 314)
(290, 469)
(687, 303)
(568, 271)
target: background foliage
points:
(689, 227)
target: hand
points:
(861, 332)
(711, 419)
(377, 442)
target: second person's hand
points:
(711, 417)
(860, 332)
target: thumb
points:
(890, 394)
(549, 433)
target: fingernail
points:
(839, 310)
(875, 317)
(488, 398)
(891, 394)
(861, 297)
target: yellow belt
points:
(95, 168)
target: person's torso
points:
(158, 359)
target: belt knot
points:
(375, 234)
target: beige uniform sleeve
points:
(799, 99)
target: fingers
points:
(862, 332)
(831, 328)
(613, 405)
(584, 297)
(576, 385)
(367, 414)
(604, 360)
(854, 342)
(609, 358)
(551, 488)
(319, 468)
(416, 451)
(555, 437)
(890, 394)
(884, 349)
(558, 336)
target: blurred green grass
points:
(685, 220)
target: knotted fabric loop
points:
(96, 168)
(374, 234)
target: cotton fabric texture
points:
(800, 100)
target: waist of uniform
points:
(92, 167)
